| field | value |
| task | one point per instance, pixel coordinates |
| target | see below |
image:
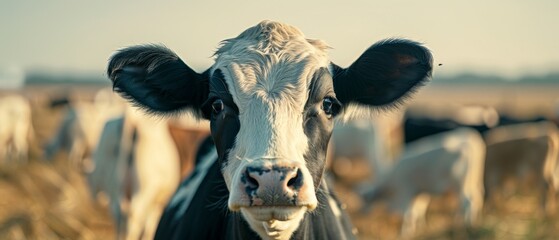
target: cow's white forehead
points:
(270, 60)
(273, 38)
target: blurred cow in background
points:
(378, 143)
(363, 147)
(81, 127)
(451, 161)
(16, 128)
(424, 121)
(525, 154)
(111, 171)
(517, 149)
(138, 164)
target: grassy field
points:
(40, 200)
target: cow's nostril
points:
(251, 182)
(296, 181)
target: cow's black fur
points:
(385, 74)
(207, 216)
(419, 127)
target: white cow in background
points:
(157, 168)
(376, 143)
(450, 161)
(137, 164)
(82, 125)
(15, 128)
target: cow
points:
(16, 129)
(513, 151)
(424, 121)
(156, 165)
(526, 154)
(81, 127)
(271, 97)
(452, 161)
(364, 149)
(378, 143)
(125, 172)
(109, 175)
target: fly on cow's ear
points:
(384, 74)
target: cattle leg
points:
(153, 220)
(119, 218)
(547, 198)
(76, 154)
(471, 206)
(20, 148)
(491, 190)
(140, 207)
(10, 155)
(3, 156)
(551, 174)
(414, 217)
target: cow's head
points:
(271, 96)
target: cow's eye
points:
(330, 106)
(217, 106)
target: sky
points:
(509, 38)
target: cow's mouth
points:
(276, 213)
(274, 222)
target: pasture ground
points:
(40, 200)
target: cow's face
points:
(275, 103)
(271, 98)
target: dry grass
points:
(51, 201)
(44, 201)
(514, 217)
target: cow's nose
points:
(274, 185)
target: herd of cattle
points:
(135, 160)
(271, 98)
(479, 162)
(139, 161)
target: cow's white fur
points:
(378, 140)
(154, 174)
(156, 164)
(15, 128)
(268, 69)
(432, 165)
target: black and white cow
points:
(271, 97)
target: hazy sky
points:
(505, 37)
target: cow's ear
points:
(157, 80)
(384, 74)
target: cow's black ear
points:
(384, 74)
(156, 79)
